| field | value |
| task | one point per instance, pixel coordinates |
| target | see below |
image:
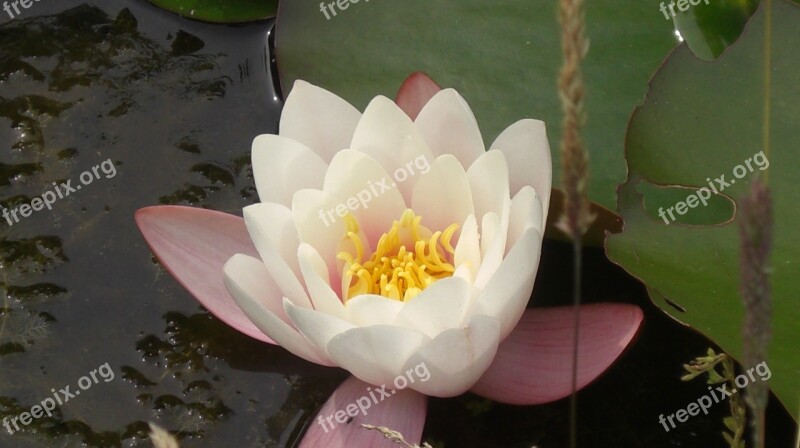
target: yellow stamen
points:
(403, 263)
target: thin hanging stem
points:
(756, 234)
(577, 215)
(576, 302)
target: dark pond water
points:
(171, 106)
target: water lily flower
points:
(389, 240)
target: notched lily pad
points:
(702, 121)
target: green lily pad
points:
(712, 26)
(701, 121)
(502, 56)
(222, 11)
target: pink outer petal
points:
(193, 244)
(415, 92)
(404, 411)
(534, 364)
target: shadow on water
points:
(173, 105)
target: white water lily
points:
(436, 267)
(431, 268)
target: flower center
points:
(407, 259)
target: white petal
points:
(371, 309)
(490, 231)
(526, 211)
(489, 183)
(386, 134)
(493, 247)
(465, 273)
(439, 307)
(318, 119)
(318, 327)
(317, 224)
(488, 179)
(456, 359)
(528, 154)
(443, 196)
(449, 127)
(468, 248)
(375, 354)
(252, 288)
(315, 274)
(282, 166)
(364, 189)
(507, 293)
(273, 232)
